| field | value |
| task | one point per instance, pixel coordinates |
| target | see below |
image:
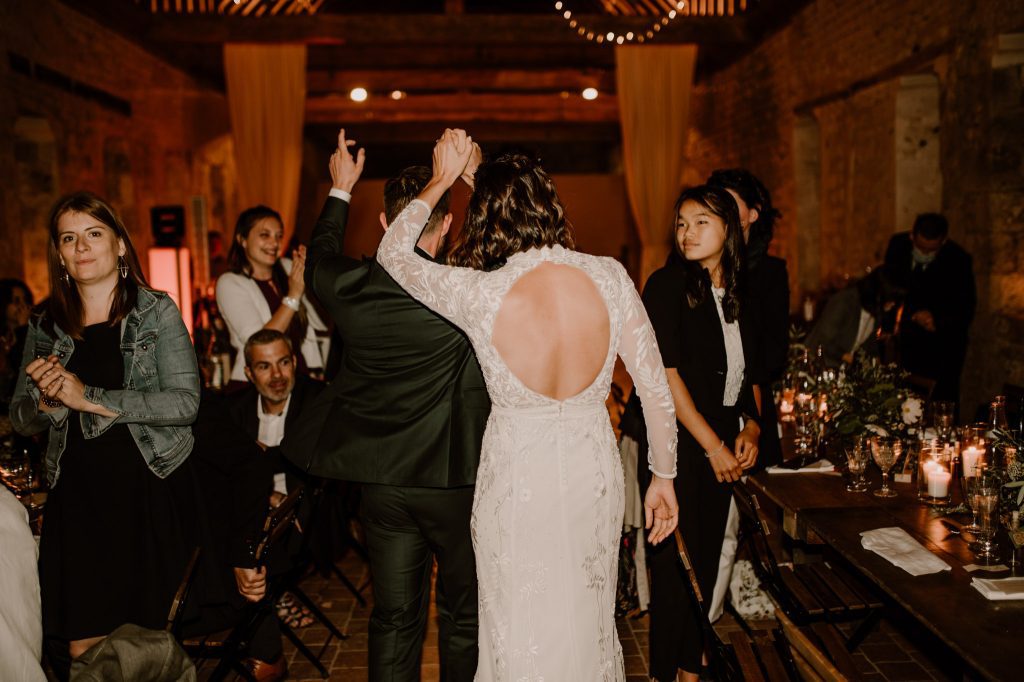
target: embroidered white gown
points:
(548, 505)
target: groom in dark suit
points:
(405, 417)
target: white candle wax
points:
(971, 457)
(938, 482)
(785, 407)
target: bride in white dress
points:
(546, 327)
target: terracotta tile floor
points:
(885, 655)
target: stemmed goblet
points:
(985, 502)
(857, 457)
(885, 451)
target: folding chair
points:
(757, 656)
(229, 647)
(813, 594)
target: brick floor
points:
(885, 655)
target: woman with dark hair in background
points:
(766, 299)
(695, 306)
(16, 303)
(109, 369)
(546, 323)
(264, 291)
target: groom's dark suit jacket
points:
(409, 405)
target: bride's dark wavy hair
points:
(514, 207)
(698, 281)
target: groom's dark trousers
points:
(405, 417)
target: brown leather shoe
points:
(267, 672)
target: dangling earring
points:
(64, 276)
(122, 267)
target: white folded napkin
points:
(899, 548)
(822, 466)
(1001, 589)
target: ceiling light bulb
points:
(566, 14)
(558, 5)
(620, 40)
(358, 94)
(610, 36)
(629, 36)
(680, 5)
(589, 93)
(672, 14)
(397, 95)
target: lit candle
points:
(938, 482)
(785, 407)
(972, 456)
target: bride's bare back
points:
(552, 330)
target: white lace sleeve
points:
(638, 349)
(442, 288)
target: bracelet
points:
(51, 402)
(721, 446)
(291, 302)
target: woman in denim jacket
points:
(109, 369)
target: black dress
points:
(691, 340)
(116, 538)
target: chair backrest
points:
(809, 659)
(174, 616)
(755, 531)
(721, 662)
(278, 523)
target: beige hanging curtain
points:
(267, 99)
(654, 83)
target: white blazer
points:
(245, 311)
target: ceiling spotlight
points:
(680, 5)
(672, 14)
(358, 94)
(567, 14)
(629, 36)
(395, 95)
(558, 5)
(589, 93)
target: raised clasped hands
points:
(452, 155)
(346, 170)
(661, 510)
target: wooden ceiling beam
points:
(461, 109)
(410, 80)
(427, 29)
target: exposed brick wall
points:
(840, 62)
(135, 161)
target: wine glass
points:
(1011, 522)
(942, 416)
(885, 451)
(856, 463)
(985, 502)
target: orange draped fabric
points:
(266, 87)
(654, 83)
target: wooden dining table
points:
(988, 636)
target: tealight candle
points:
(938, 482)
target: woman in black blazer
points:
(694, 306)
(766, 300)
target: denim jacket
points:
(160, 398)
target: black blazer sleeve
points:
(662, 297)
(325, 258)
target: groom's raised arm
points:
(325, 258)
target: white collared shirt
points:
(271, 434)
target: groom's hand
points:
(345, 170)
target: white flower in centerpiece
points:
(912, 410)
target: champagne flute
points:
(1011, 522)
(885, 451)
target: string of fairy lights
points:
(613, 37)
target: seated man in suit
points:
(275, 398)
(853, 316)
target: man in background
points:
(938, 277)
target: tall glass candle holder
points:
(934, 473)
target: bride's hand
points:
(451, 155)
(661, 510)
